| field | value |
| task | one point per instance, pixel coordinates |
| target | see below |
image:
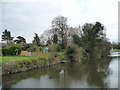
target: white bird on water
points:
(62, 71)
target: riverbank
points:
(115, 50)
(15, 64)
(11, 65)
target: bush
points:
(84, 56)
(11, 51)
(75, 53)
(35, 49)
(54, 48)
(26, 46)
(61, 55)
(70, 52)
(5, 51)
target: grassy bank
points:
(8, 59)
(115, 50)
(13, 64)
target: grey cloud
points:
(28, 18)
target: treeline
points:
(6, 36)
(91, 37)
(116, 45)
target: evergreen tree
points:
(6, 36)
(20, 40)
(36, 40)
(55, 38)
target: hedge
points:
(11, 50)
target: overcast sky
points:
(26, 17)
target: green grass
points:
(115, 50)
(13, 64)
(6, 59)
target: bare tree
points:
(78, 31)
(60, 27)
(71, 32)
(47, 35)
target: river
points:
(69, 75)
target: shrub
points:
(31, 49)
(15, 50)
(70, 52)
(61, 55)
(34, 49)
(12, 50)
(25, 46)
(5, 51)
(78, 54)
(54, 48)
(84, 56)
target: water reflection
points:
(69, 75)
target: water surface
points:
(103, 74)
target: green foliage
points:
(11, 50)
(26, 46)
(20, 40)
(61, 55)
(70, 52)
(58, 48)
(5, 51)
(102, 46)
(34, 48)
(91, 34)
(81, 55)
(36, 40)
(6, 36)
(84, 56)
(94, 40)
(77, 40)
(62, 45)
(116, 45)
(54, 47)
(55, 38)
